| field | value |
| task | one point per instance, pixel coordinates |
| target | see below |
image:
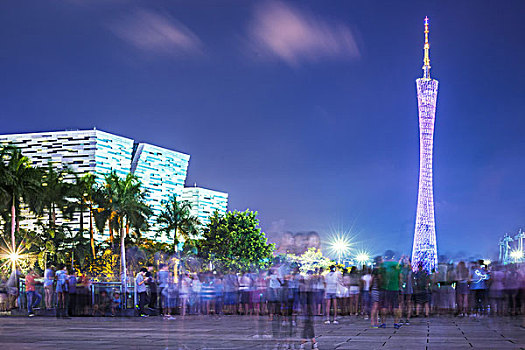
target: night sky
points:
(305, 111)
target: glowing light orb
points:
(516, 255)
(14, 257)
(340, 246)
(362, 258)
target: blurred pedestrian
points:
(478, 286)
(310, 309)
(407, 290)
(462, 289)
(62, 289)
(331, 282)
(49, 278)
(422, 290)
(391, 279)
(33, 297)
(12, 285)
(73, 297)
(140, 287)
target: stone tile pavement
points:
(239, 332)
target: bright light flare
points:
(516, 255)
(362, 258)
(340, 246)
(13, 257)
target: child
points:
(115, 303)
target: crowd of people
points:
(388, 287)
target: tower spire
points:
(426, 59)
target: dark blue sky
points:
(305, 111)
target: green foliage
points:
(104, 268)
(235, 241)
(176, 222)
(120, 203)
(19, 183)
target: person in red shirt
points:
(33, 297)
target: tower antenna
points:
(426, 59)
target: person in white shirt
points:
(331, 280)
(366, 281)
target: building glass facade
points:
(204, 202)
(162, 173)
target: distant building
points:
(424, 248)
(162, 173)
(205, 202)
(82, 151)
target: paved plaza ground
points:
(239, 332)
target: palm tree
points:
(56, 194)
(85, 190)
(105, 199)
(123, 206)
(133, 212)
(18, 182)
(176, 221)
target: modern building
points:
(162, 173)
(424, 249)
(204, 202)
(81, 151)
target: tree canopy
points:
(235, 241)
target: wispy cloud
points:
(156, 34)
(296, 36)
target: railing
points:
(127, 301)
(93, 292)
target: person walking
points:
(73, 298)
(478, 285)
(151, 285)
(365, 283)
(140, 287)
(391, 277)
(308, 284)
(407, 290)
(462, 290)
(421, 289)
(331, 281)
(13, 292)
(33, 297)
(375, 293)
(162, 280)
(49, 278)
(62, 289)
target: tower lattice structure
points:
(424, 249)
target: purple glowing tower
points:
(424, 249)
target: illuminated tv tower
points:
(424, 249)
